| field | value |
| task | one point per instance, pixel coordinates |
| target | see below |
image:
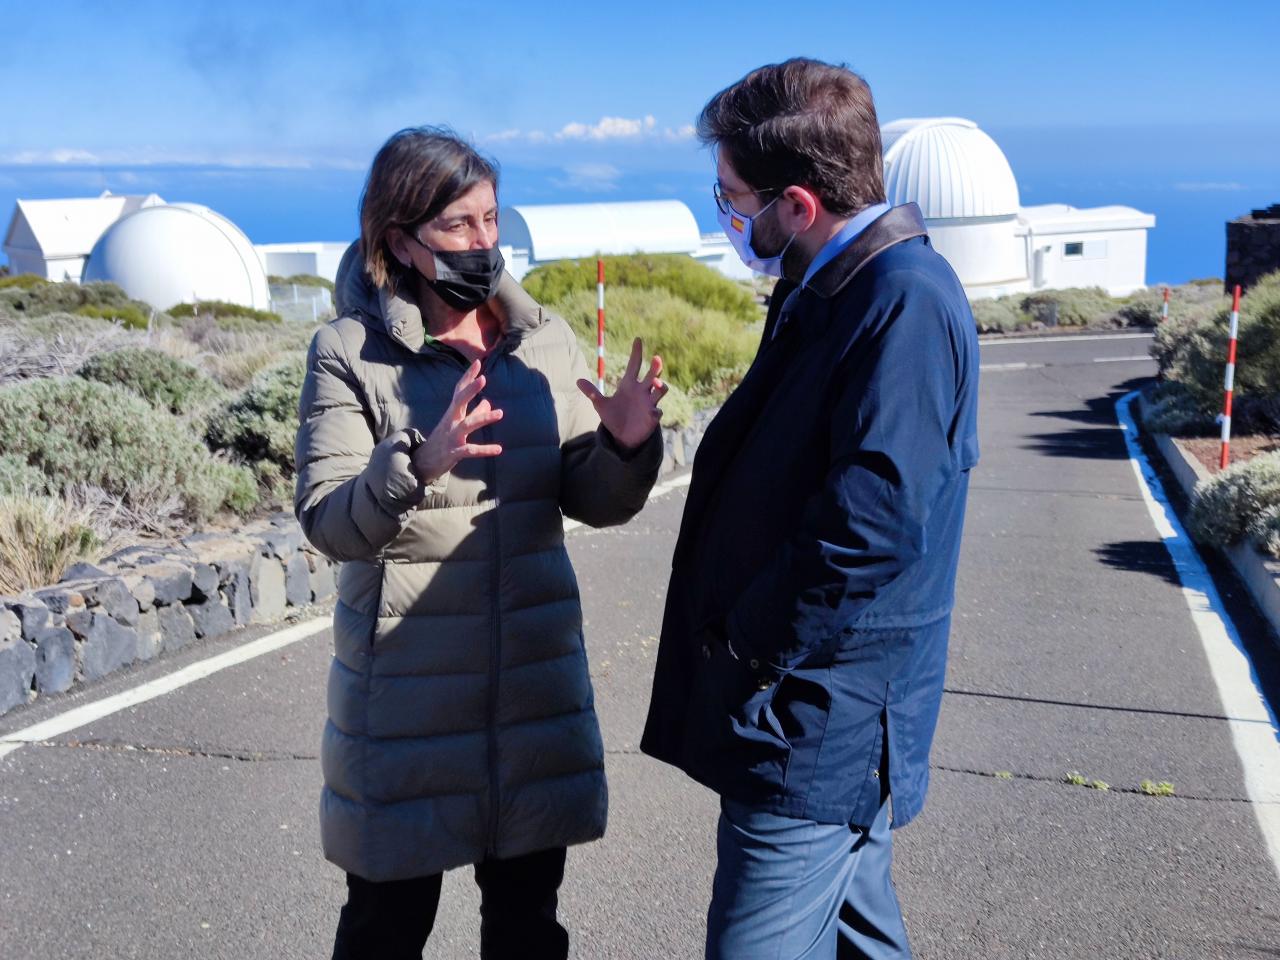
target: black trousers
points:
(392, 920)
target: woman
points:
(442, 438)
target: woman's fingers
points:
(478, 450)
(659, 390)
(655, 368)
(475, 421)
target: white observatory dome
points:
(179, 253)
(949, 167)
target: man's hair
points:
(416, 174)
(801, 122)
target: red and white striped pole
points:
(1229, 381)
(600, 325)
(1164, 310)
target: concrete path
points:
(185, 826)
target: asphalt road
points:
(186, 826)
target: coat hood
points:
(399, 316)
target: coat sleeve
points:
(892, 407)
(600, 484)
(352, 496)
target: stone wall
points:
(1253, 247)
(145, 600)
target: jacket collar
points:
(399, 316)
(895, 225)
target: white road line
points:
(1006, 367)
(1254, 734)
(80, 716)
(1024, 341)
(659, 490)
(1123, 360)
(83, 715)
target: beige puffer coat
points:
(461, 720)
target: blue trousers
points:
(796, 890)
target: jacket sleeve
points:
(352, 496)
(892, 406)
(600, 484)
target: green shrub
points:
(1191, 347)
(1241, 499)
(77, 432)
(674, 273)
(999, 315)
(1171, 408)
(259, 426)
(39, 538)
(160, 379)
(19, 477)
(221, 310)
(46, 297)
(23, 281)
(302, 280)
(127, 314)
(1076, 306)
(701, 349)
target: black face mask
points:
(465, 278)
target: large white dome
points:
(179, 253)
(949, 167)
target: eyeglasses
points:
(723, 196)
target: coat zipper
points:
(495, 640)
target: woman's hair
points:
(801, 122)
(417, 173)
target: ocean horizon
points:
(1192, 179)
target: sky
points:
(271, 112)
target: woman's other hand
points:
(449, 442)
(631, 414)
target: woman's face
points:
(469, 223)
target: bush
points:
(222, 311)
(23, 281)
(1076, 306)
(1192, 349)
(1240, 500)
(156, 377)
(260, 425)
(19, 477)
(1171, 408)
(47, 297)
(39, 538)
(674, 273)
(77, 431)
(999, 315)
(702, 350)
(127, 314)
(302, 280)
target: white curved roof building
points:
(180, 253)
(533, 234)
(969, 196)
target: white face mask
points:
(737, 228)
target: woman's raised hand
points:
(631, 414)
(448, 442)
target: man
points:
(804, 642)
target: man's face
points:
(767, 238)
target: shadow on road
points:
(1101, 440)
(1140, 556)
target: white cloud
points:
(148, 157)
(1199, 186)
(590, 177)
(605, 129)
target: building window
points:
(1073, 249)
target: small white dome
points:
(949, 167)
(180, 253)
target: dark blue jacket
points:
(804, 642)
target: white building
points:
(967, 192)
(316, 259)
(534, 234)
(52, 238)
(179, 253)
